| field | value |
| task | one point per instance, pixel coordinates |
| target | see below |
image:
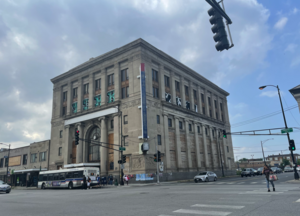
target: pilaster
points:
(178, 144)
(188, 144)
(68, 145)
(205, 153)
(198, 156)
(91, 91)
(167, 143)
(103, 151)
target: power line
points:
(290, 112)
(262, 117)
(259, 152)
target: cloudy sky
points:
(41, 39)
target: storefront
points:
(27, 178)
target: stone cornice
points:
(135, 44)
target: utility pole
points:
(263, 152)
(221, 160)
(237, 162)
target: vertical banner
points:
(143, 101)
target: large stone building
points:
(101, 98)
(296, 94)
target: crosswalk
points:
(255, 196)
(232, 183)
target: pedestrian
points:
(84, 183)
(89, 183)
(111, 179)
(98, 180)
(267, 171)
(126, 179)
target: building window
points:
(186, 90)
(202, 98)
(59, 151)
(111, 165)
(86, 88)
(33, 158)
(155, 92)
(111, 96)
(126, 119)
(64, 110)
(190, 127)
(97, 84)
(288, 158)
(167, 81)
(221, 106)
(154, 75)
(126, 141)
(210, 113)
(124, 75)
(205, 131)
(125, 93)
(215, 104)
(203, 110)
(195, 94)
(222, 118)
(75, 93)
(198, 129)
(112, 124)
(42, 156)
(61, 134)
(209, 101)
(74, 107)
(85, 104)
(158, 139)
(180, 125)
(158, 119)
(1, 162)
(97, 100)
(227, 149)
(65, 96)
(213, 133)
(177, 86)
(111, 80)
(217, 116)
(170, 122)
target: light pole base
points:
(296, 175)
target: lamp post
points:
(7, 159)
(296, 175)
(262, 148)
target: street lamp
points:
(296, 175)
(7, 160)
(262, 148)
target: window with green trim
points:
(111, 96)
(74, 107)
(85, 104)
(97, 100)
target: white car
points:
(4, 187)
(206, 176)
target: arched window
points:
(93, 145)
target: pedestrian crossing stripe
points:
(218, 206)
(197, 212)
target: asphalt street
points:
(227, 196)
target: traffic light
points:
(292, 145)
(76, 137)
(224, 134)
(158, 156)
(123, 159)
(219, 29)
(155, 158)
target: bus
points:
(67, 178)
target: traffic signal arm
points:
(216, 6)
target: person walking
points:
(89, 183)
(267, 171)
(98, 180)
(84, 183)
(126, 179)
(111, 179)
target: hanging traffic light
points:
(76, 137)
(155, 158)
(123, 159)
(158, 156)
(219, 29)
(292, 145)
(224, 134)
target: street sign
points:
(122, 166)
(288, 130)
(122, 148)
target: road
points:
(229, 196)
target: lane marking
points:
(231, 183)
(298, 200)
(187, 211)
(257, 192)
(241, 183)
(253, 182)
(221, 183)
(218, 206)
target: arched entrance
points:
(93, 145)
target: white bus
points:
(67, 178)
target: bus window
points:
(69, 175)
(50, 177)
(55, 176)
(45, 177)
(41, 177)
(78, 174)
(61, 176)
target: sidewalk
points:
(24, 188)
(294, 181)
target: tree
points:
(243, 159)
(298, 162)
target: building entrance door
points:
(74, 152)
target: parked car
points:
(259, 170)
(288, 169)
(255, 171)
(4, 187)
(276, 170)
(205, 177)
(298, 168)
(247, 172)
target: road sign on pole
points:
(288, 130)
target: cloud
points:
(270, 93)
(260, 76)
(295, 11)
(291, 48)
(281, 23)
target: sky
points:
(41, 39)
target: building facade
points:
(279, 157)
(296, 94)
(101, 98)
